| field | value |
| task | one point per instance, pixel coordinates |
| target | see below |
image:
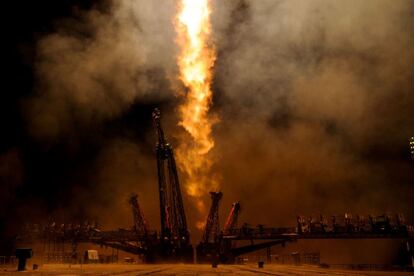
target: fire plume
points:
(195, 61)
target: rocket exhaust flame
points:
(195, 62)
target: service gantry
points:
(174, 234)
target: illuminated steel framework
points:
(232, 219)
(208, 250)
(174, 236)
(140, 225)
(211, 229)
(172, 243)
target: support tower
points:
(174, 234)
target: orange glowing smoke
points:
(195, 62)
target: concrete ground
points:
(123, 269)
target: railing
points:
(289, 233)
(87, 235)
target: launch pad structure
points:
(172, 242)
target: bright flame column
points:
(196, 61)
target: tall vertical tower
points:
(174, 234)
(231, 223)
(412, 147)
(212, 227)
(208, 249)
(140, 225)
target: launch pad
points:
(171, 244)
(188, 269)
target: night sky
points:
(314, 100)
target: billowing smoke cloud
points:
(92, 73)
(315, 99)
(317, 106)
(98, 64)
